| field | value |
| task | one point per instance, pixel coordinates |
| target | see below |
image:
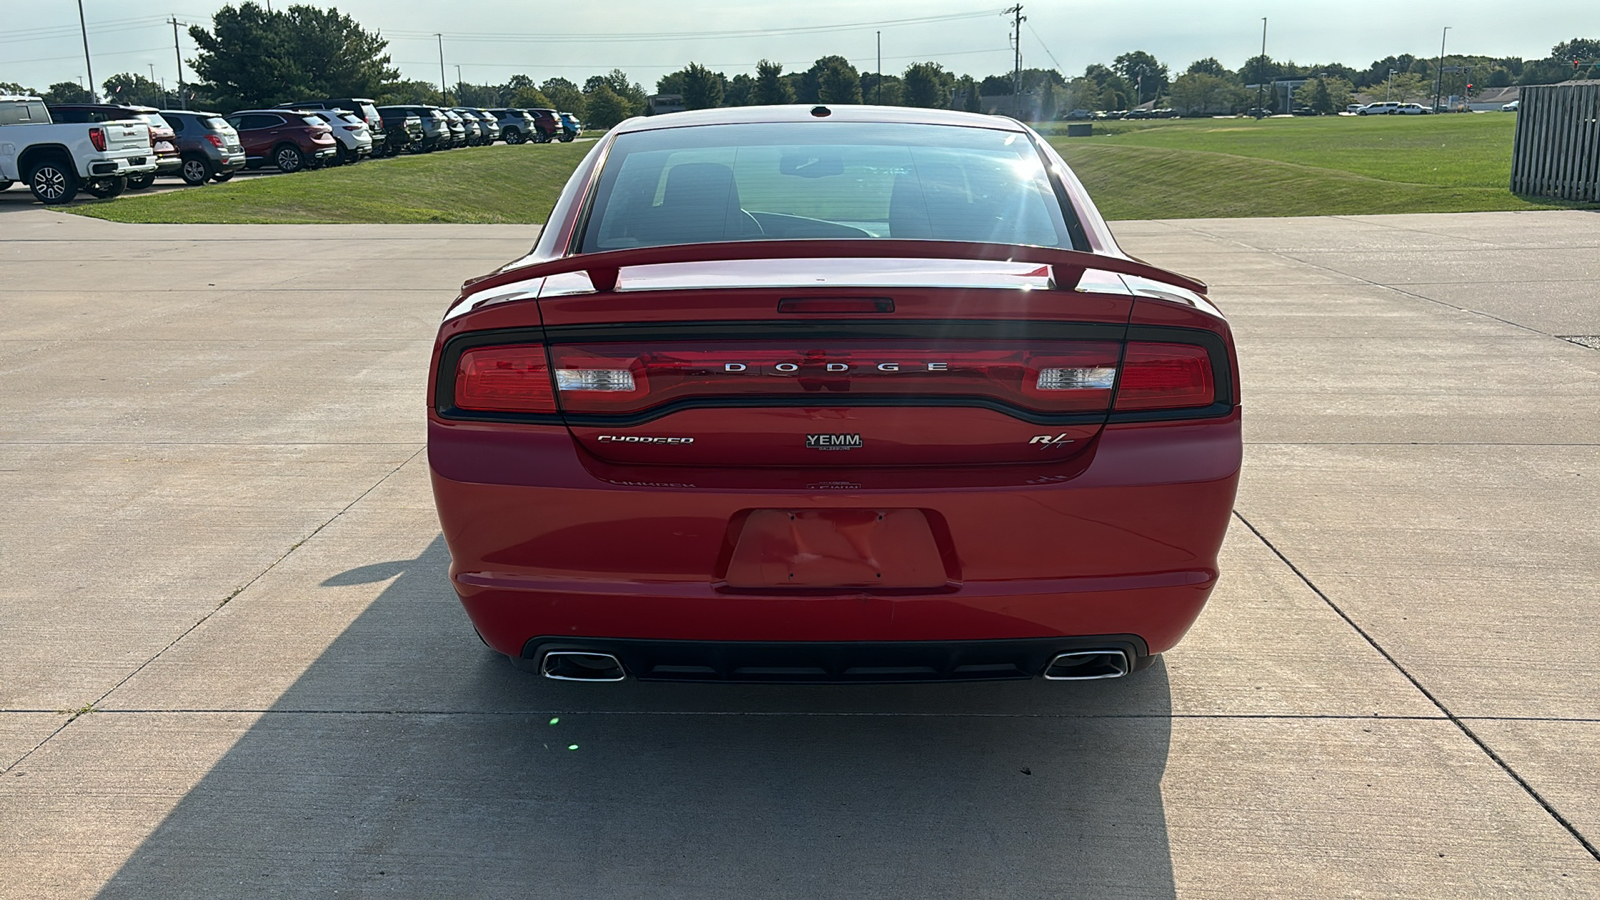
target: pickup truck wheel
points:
(196, 170)
(140, 182)
(53, 182)
(106, 188)
(288, 158)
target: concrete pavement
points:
(216, 531)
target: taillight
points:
(97, 137)
(1048, 377)
(214, 140)
(505, 379)
(1165, 376)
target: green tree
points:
(1408, 88)
(771, 88)
(564, 95)
(967, 94)
(671, 83)
(830, 79)
(1208, 66)
(840, 83)
(531, 98)
(403, 93)
(333, 56)
(11, 87)
(607, 107)
(631, 92)
(925, 86)
(252, 57)
(702, 88)
(66, 92)
(133, 89)
(1148, 74)
(997, 85)
(1197, 93)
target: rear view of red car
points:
(861, 394)
(287, 139)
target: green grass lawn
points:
(1342, 165)
(1156, 169)
(499, 184)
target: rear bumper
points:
(545, 541)
(839, 663)
(138, 165)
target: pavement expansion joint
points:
(92, 708)
(1458, 721)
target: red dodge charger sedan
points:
(831, 394)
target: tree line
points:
(254, 57)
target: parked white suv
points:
(349, 129)
(1382, 108)
(1411, 109)
(57, 161)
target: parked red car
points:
(547, 125)
(853, 394)
(289, 140)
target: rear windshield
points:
(152, 119)
(313, 120)
(217, 124)
(824, 180)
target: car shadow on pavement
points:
(408, 760)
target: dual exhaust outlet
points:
(1077, 665)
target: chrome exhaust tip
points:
(581, 665)
(1088, 665)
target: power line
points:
(1046, 48)
(548, 37)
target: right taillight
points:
(97, 137)
(505, 379)
(1165, 376)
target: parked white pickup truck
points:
(57, 161)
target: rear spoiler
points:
(1066, 266)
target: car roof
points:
(189, 112)
(120, 106)
(751, 115)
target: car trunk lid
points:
(834, 363)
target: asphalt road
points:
(216, 534)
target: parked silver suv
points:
(207, 144)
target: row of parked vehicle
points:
(205, 146)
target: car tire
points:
(140, 182)
(514, 136)
(222, 176)
(567, 138)
(196, 170)
(107, 188)
(288, 158)
(53, 181)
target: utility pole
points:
(83, 24)
(182, 104)
(1261, 72)
(458, 79)
(1438, 76)
(445, 94)
(1389, 87)
(1017, 18)
(879, 99)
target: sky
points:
(490, 40)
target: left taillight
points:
(97, 137)
(214, 140)
(505, 379)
